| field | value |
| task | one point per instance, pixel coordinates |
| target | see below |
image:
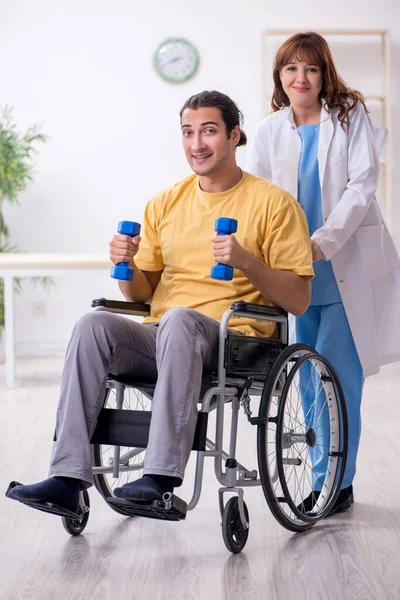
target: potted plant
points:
(16, 170)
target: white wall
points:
(84, 69)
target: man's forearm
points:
(283, 288)
(137, 290)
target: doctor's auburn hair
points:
(231, 114)
(312, 48)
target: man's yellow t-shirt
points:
(176, 239)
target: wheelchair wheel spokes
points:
(310, 448)
(267, 442)
(295, 434)
(272, 485)
(130, 459)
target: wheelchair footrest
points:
(49, 507)
(168, 509)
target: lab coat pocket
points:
(370, 239)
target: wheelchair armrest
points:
(269, 311)
(257, 312)
(121, 307)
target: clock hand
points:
(172, 60)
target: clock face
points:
(176, 60)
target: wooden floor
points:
(355, 556)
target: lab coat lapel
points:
(291, 168)
(325, 137)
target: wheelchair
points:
(301, 419)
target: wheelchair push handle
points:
(224, 226)
(122, 270)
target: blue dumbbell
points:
(122, 270)
(224, 226)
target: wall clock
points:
(176, 60)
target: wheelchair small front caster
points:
(76, 526)
(234, 534)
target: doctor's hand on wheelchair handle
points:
(123, 247)
(316, 251)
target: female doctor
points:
(318, 144)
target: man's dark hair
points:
(231, 114)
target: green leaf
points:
(16, 151)
(16, 172)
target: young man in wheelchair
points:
(271, 255)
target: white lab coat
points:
(354, 236)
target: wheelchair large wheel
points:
(130, 459)
(302, 438)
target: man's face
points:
(207, 148)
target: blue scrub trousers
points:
(326, 329)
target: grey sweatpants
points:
(172, 353)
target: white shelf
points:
(370, 98)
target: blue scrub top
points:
(324, 286)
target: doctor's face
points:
(302, 84)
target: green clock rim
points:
(173, 79)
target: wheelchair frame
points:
(236, 390)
